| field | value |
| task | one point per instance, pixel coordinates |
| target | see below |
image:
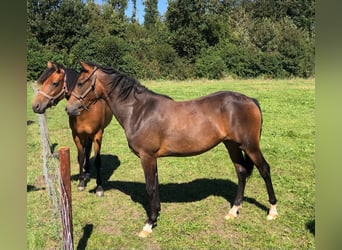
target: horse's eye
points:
(79, 84)
(55, 84)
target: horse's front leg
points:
(149, 165)
(80, 160)
(98, 163)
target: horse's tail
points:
(258, 105)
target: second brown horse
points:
(87, 128)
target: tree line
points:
(193, 39)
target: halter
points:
(80, 98)
(52, 99)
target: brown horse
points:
(157, 126)
(87, 128)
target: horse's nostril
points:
(68, 111)
(72, 111)
(36, 107)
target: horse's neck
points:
(121, 109)
(128, 112)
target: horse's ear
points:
(57, 67)
(49, 64)
(86, 66)
(53, 65)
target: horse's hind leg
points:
(243, 166)
(88, 143)
(264, 170)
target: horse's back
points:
(229, 115)
(221, 106)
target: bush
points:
(110, 52)
(240, 61)
(270, 65)
(210, 64)
(170, 65)
(37, 57)
(85, 49)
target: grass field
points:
(196, 192)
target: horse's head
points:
(86, 91)
(52, 88)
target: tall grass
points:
(196, 192)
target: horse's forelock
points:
(45, 75)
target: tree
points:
(301, 12)
(119, 7)
(196, 24)
(202, 38)
(134, 12)
(39, 13)
(114, 14)
(151, 13)
(69, 24)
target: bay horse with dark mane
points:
(87, 128)
(156, 126)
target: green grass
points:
(195, 191)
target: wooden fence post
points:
(64, 159)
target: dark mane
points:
(126, 84)
(71, 78)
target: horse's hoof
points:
(272, 216)
(99, 192)
(147, 230)
(230, 216)
(87, 177)
(80, 188)
(233, 212)
(144, 234)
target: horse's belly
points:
(187, 145)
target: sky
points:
(162, 7)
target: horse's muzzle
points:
(72, 110)
(38, 108)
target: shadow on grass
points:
(87, 231)
(311, 226)
(109, 164)
(31, 188)
(29, 122)
(195, 190)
